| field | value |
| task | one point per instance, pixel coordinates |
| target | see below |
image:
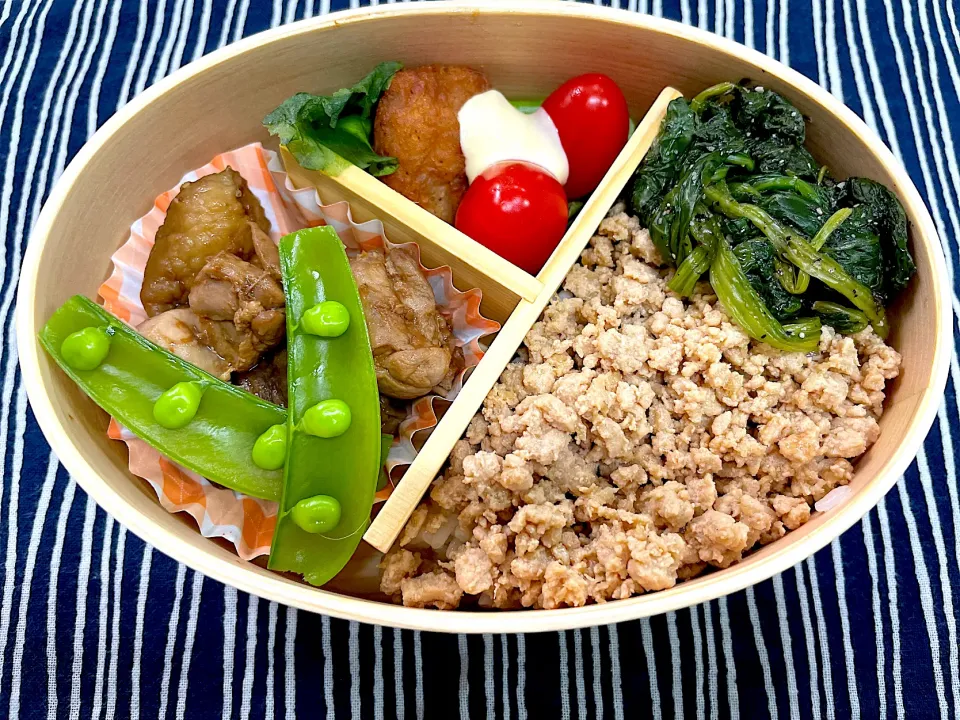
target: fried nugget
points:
(208, 216)
(416, 122)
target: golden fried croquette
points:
(416, 122)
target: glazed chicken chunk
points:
(411, 340)
(211, 215)
(212, 283)
(241, 309)
(268, 380)
(416, 122)
(178, 331)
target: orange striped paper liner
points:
(247, 522)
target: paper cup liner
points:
(247, 522)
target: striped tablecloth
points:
(93, 623)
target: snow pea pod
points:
(133, 374)
(325, 470)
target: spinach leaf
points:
(844, 320)
(690, 270)
(662, 164)
(738, 229)
(771, 156)
(760, 123)
(677, 131)
(766, 114)
(822, 196)
(856, 246)
(883, 214)
(327, 132)
(795, 210)
(794, 201)
(717, 132)
(749, 310)
(708, 232)
(757, 259)
(670, 222)
(730, 167)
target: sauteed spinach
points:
(729, 191)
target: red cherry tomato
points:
(591, 115)
(517, 210)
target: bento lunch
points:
(704, 380)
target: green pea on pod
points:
(326, 319)
(134, 372)
(270, 449)
(333, 415)
(178, 406)
(86, 349)
(317, 514)
(327, 419)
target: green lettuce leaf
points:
(329, 132)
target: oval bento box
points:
(526, 47)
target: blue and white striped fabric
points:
(93, 623)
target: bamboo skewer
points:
(473, 266)
(414, 483)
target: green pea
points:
(317, 514)
(326, 419)
(270, 449)
(86, 349)
(326, 319)
(177, 406)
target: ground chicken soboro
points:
(641, 439)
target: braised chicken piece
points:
(416, 122)
(211, 215)
(411, 340)
(392, 414)
(226, 284)
(268, 380)
(213, 254)
(266, 253)
(178, 331)
(241, 309)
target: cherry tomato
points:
(591, 115)
(517, 210)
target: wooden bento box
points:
(526, 47)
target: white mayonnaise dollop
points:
(492, 130)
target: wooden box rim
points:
(185, 546)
